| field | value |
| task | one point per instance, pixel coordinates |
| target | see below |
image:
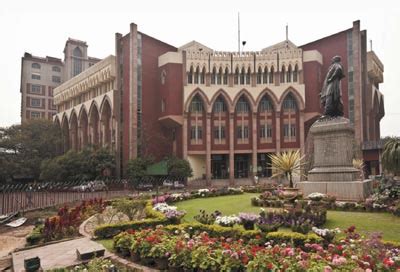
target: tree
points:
(136, 169)
(88, 164)
(286, 164)
(391, 155)
(24, 147)
(179, 168)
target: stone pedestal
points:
(333, 172)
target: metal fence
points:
(24, 201)
(16, 197)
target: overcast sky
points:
(42, 27)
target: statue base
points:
(348, 190)
(333, 172)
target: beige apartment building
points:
(40, 75)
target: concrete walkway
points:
(56, 255)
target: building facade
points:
(39, 77)
(224, 112)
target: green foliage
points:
(26, 146)
(110, 230)
(130, 208)
(35, 236)
(391, 155)
(136, 169)
(90, 163)
(153, 219)
(297, 239)
(179, 168)
(286, 164)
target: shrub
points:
(297, 239)
(205, 218)
(110, 230)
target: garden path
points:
(56, 255)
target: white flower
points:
(227, 220)
(316, 196)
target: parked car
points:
(178, 185)
(91, 186)
(173, 184)
(97, 185)
(144, 186)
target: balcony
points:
(372, 145)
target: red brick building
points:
(226, 111)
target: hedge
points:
(294, 238)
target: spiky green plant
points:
(286, 164)
(391, 155)
(360, 166)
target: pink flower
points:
(328, 269)
(338, 260)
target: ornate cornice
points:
(101, 72)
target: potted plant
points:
(248, 220)
(227, 221)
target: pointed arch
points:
(65, 133)
(283, 73)
(289, 74)
(225, 78)
(242, 75)
(271, 74)
(219, 76)
(83, 121)
(105, 100)
(197, 75)
(248, 75)
(214, 75)
(93, 107)
(203, 75)
(94, 121)
(73, 128)
(190, 75)
(105, 122)
(295, 72)
(221, 93)
(249, 98)
(199, 92)
(259, 75)
(236, 76)
(271, 96)
(296, 95)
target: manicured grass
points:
(232, 204)
(107, 243)
(365, 222)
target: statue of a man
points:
(331, 94)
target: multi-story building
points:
(39, 77)
(222, 111)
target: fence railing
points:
(11, 202)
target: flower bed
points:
(200, 193)
(383, 201)
(66, 223)
(201, 251)
(153, 218)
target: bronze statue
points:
(331, 94)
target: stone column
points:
(184, 136)
(254, 143)
(231, 149)
(278, 131)
(208, 148)
(301, 124)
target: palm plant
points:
(391, 155)
(360, 166)
(286, 164)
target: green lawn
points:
(386, 223)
